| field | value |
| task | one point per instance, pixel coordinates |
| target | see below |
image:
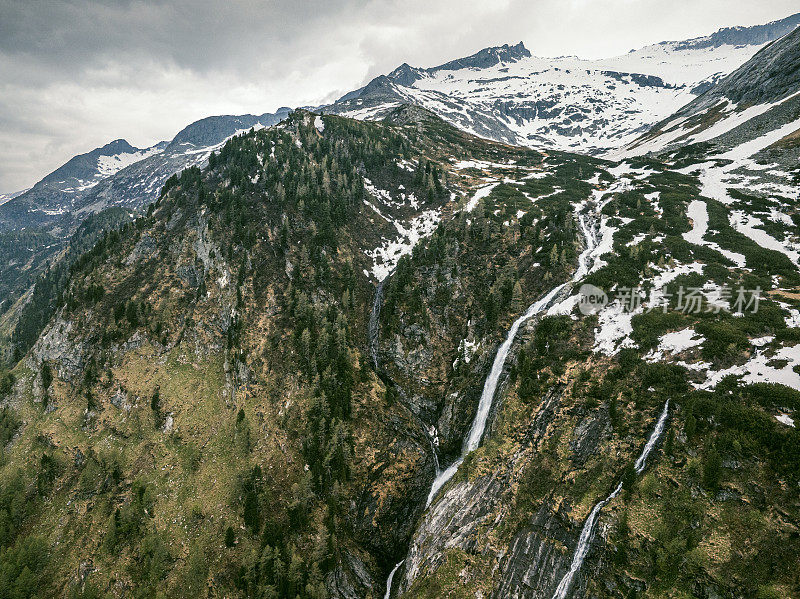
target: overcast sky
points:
(76, 74)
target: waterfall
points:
(654, 437)
(390, 579)
(487, 396)
(373, 322)
(478, 426)
(587, 532)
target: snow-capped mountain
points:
(760, 96)
(7, 197)
(87, 170)
(742, 134)
(567, 103)
(57, 192)
(118, 174)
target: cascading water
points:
(390, 579)
(487, 396)
(373, 322)
(587, 532)
(654, 437)
(490, 386)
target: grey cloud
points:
(75, 74)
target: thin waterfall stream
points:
(587, 532)
(490, 386)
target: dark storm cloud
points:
(203, 35)
(75, 74)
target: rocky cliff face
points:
(752, 101)
(217, 406)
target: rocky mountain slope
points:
(264, 255)
(5, 197)
(41, 226)
(581, 394)
(757, 98)
(120, 175)
(209, 410)
(592, 106)
(58, 192)
(361, 358)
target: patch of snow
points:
(653, 199)
(780, 217)
(478, 196)
(386, 256)
(762, 341)
(615, 321)
(637, 240)
(793, 320)
(698, 213)
(605, 245)
(615, 329)
(747, 224)
(109, 165)
(675, 343)
(467, 350)
(749, 148)
(7, 197)
(759, 370)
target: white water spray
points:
(587, 532)
(390, 579)
(490, 386)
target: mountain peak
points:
(405, 74)
(755, 35)
(488, 57)
(118, 146)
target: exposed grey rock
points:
(350, 579)
(770, 76)
(588, 435)
(58, 347)
(384, 522)
(144, 248)
(736, 36)
(136, 341)
(460, 517)
(537, 558)
(188, 274)
(120, 399)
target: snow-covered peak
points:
(6, 197)
(593, 106)
(107, 165)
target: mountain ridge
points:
(128, 176)
(595, 106)
(757, 97)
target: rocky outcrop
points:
(394, 491)
(59, 347)
(463, 516)
(538, 557)
(588, 435)
(350, 579)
